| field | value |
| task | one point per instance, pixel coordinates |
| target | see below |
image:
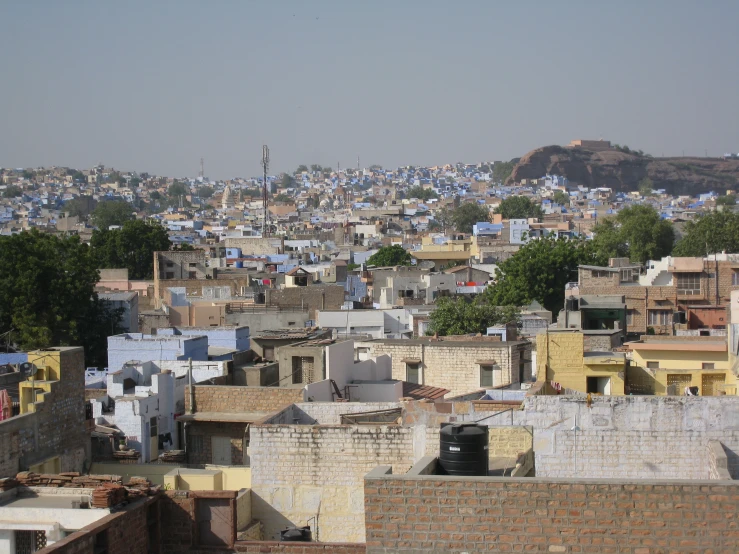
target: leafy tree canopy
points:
(466, 215)
(421, 193)
(519, 207)
(562, 198)
(49, 297)
(12, 191)
(205, 191)
(539, 271)
(155, 195)
(637, 232)
(726, 200)
(131, 246)
(710, 233)
(283, 198)
(301, 169)
(112, 212)
(390, 256)
(503, 170)
(460, 316)
(646, 186)
(287, 181)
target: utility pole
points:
(202, 169)
(265, 167)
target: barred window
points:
(688, 283)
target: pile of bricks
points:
(7, 484)
(138, 487)
(108, 495)
(70, 479)
(173, 457)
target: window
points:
(413, 373)
(601, 274)
(192, 264)
(170, 264)
(192, 275)
(652, 365)
(659, 317)
(630, 317)
(195, 443)
(486, 376)
(169, 275)
(153, 426)
(735, 278)
(707, 365)
(688, 283)
(630, 275)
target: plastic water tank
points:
(463, 449)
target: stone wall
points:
(644, 437)
(718, 467)
(180, 521)
(263, 547)
(219, 398)
(205, 431)
(312, 298)
(441, 514)
(453, 365)
(509, 442)
(56, 427)
(303, 471)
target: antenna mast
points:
(202, 169)
(265, 167)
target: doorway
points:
(599, 385)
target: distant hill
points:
(623, 171)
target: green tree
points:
(155, 195)
(301, 169)
(464, 217)
(710, 233)
(637, 232)
(12, 191)
(48, 295)
(519, 207)
(315, 168)
(177, 189)
(27, 174)
(283, 198)
(112, 212)
(77, 176)
(539, 271)
(442, 219)
(503, 170)
(421, 193)
(460, 316)
(131, 247)
(205, 191)
(183, 247)
(77, 207)
(562, 198)
(726, 200)
(390, 256)
(134, 182)
(287, 181)
(646, 186)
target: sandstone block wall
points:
(431, 514)
(303, 471)
(219, 398)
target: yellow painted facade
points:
(561, 358)
(212, 478)
(710, 371)
(51, 465)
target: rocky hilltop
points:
(623, 171)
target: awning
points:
(486, 362)
(411, 360)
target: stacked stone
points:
(67, 480)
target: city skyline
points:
(156, 87)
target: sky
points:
(155, 85)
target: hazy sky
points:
(154, 85)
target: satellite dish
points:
(427, 264)
(28, 369)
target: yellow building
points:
(562, 363)
(452, 251)
(678, 362)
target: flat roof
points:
(700, 346)
(58, 502)
(241, 417)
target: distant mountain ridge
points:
(623, 171)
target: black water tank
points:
(299, 534)
(463, 449)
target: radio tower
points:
(202, 169)
(265, 167)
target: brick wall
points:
(218, 398)
(434, 514)
(312, 298)
(180, 516)
(454, 365)
(299, 548)
(300, 471)
(205, 431)
(126, 530)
